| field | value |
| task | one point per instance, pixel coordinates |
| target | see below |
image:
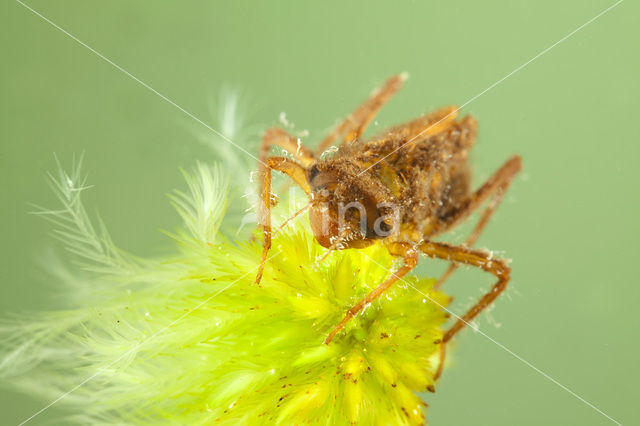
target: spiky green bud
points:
(191, 339)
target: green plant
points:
(190, 339)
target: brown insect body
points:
(426, 180)
(404, 187)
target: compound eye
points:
(312, 172)
(322, 180)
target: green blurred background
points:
(570, 223)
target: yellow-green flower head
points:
(191, 339)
